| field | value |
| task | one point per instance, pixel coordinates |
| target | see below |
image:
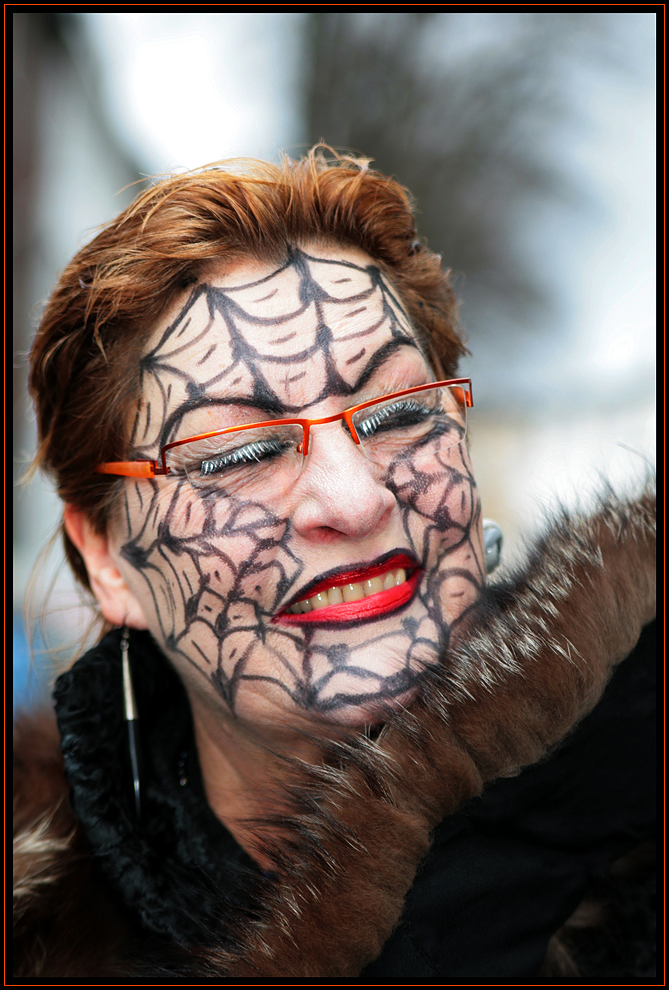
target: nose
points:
(339, 490)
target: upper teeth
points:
(351, 592)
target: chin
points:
(359, 714)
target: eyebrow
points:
(270, 408)
(381, 358)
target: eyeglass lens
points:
(263, 461)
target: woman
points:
(246, 389)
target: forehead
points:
(284, 335)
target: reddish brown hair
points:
(85, 359)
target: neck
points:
(242, 776)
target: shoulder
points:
(65, 923)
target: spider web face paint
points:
(272, 340)
(211, 572)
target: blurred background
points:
(526, 138)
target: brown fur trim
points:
(516, 682)
(38, 862)
(44, 826)
(528, 676)
(521, 674)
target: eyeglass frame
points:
(151, 468)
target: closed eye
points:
(250, 453)
(396, 416)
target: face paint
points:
(385, 556)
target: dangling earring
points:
(131, 717)
(492, 541)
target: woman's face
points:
(215, 571)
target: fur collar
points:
(533, 660)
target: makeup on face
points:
(314, 329)
(235, 590)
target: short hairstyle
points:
(84, 363)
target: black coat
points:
(101, 896)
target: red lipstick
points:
(371, 607)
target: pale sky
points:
(184, 89)
(187, 89)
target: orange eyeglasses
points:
(254, 455)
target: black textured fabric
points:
(178, 868)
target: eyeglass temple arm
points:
(467, 392)
(132, 469)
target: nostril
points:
(326, 534)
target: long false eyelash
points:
(377, 419)
(256, 451)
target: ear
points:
(117, 602)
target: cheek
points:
(438, 485)
(171, 558)
(218, 561)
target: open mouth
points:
(356, 594)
